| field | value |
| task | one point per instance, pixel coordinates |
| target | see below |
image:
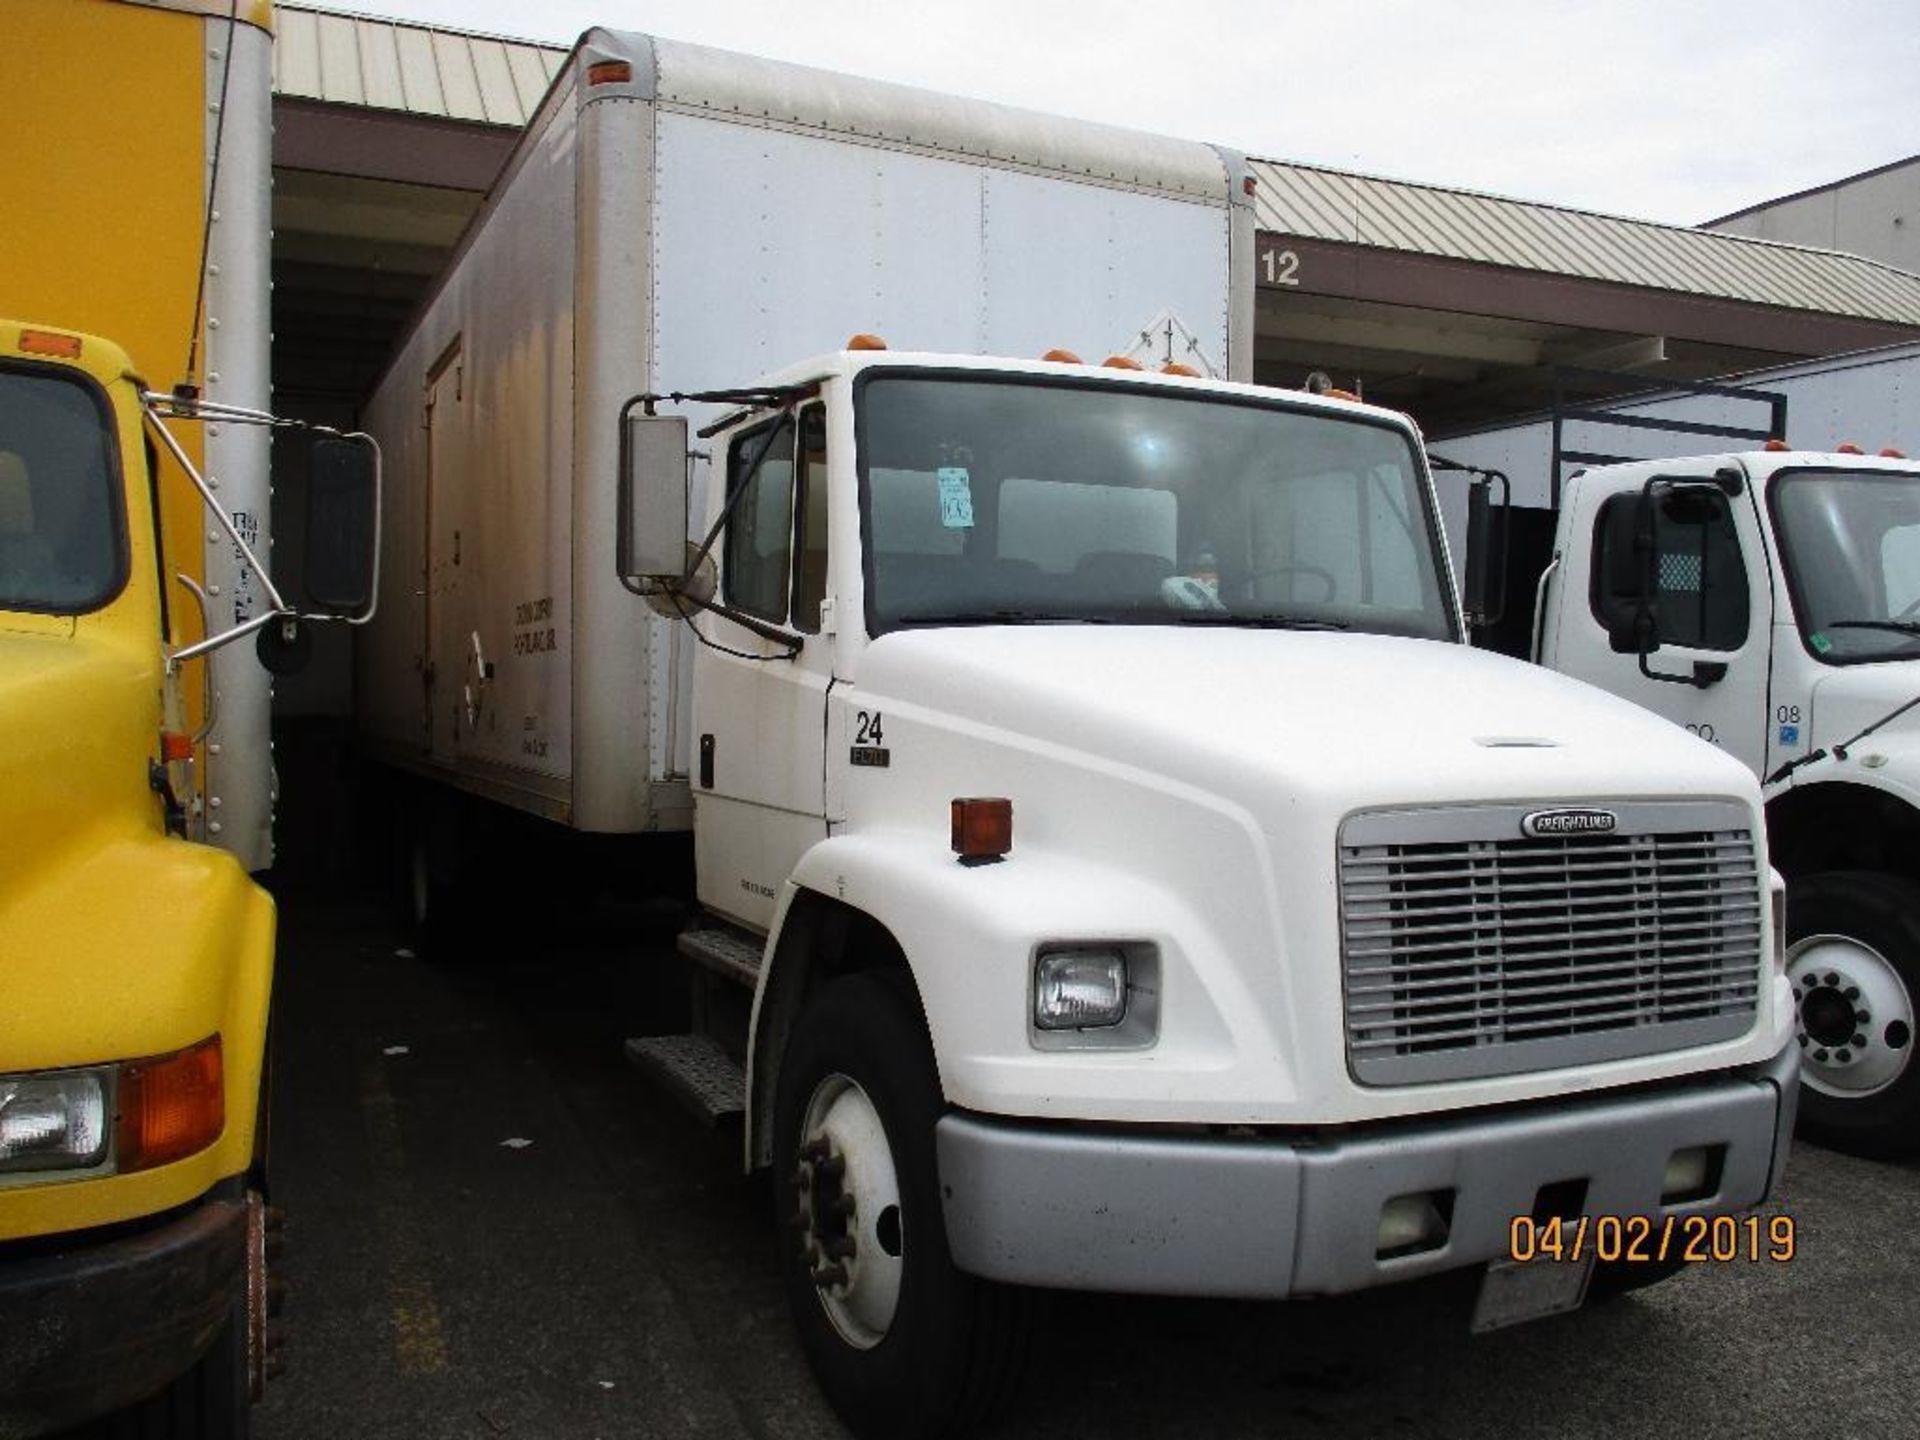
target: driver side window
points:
(1699, 590)
(759, 552)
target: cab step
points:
(734, 954)
(696, 1071)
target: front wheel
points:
(212, 1401)
(902, 1343)
(1853, 959)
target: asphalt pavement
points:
(498, 1229)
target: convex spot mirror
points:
(652, 532)
(343, 517)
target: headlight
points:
(56, 1121)
(1079, 989)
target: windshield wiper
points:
(1258, 622)
(1001, 617)
(1899, 627)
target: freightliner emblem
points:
(1542, 824)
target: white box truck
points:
(1120, 872)
(1765, 597)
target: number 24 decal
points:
(866, 728)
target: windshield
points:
(1851, 544)
(991, 499)
(60, 543)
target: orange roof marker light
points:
(1122, 362)
(864, 341)
(1848, 448)
(1058, 356)
(50, 342)
(1174, 367)
(609, 72)
(1889, 453)
(1777, 445)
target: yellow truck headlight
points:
(54, 1121)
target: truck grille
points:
(1469, 950)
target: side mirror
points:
(1483, 586)
(652, 532)
(343, 525)
(1635, 633)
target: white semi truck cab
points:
(1141, 886)
(1769, 601)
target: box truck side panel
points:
(477, 415)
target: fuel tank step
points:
(725, 951)
(696, 1071)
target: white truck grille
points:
(1471, 948)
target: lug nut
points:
(833, 1167)
(839, 1247)
(828, 1276)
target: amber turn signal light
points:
(866, 342)
(609, 72)
(982, 829)
(175, 746)
(171, 1106)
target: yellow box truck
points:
(136, 954)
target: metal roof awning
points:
(1333, 205)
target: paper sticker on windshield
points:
(956, 498)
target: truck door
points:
(1711, 595)
(441, 666)
(759, 714)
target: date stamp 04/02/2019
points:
(1653, 1240)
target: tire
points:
(428, 889)
(212, 1401)
(1853, 959)
(902, 1344)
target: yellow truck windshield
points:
(62, 542)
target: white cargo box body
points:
(677, 219)
(1870, 398)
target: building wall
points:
(1876, 215)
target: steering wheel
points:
(1247, 580)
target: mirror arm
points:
(794, 643)
(174, 449)
(226, 637)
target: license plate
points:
(1513, 1292)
